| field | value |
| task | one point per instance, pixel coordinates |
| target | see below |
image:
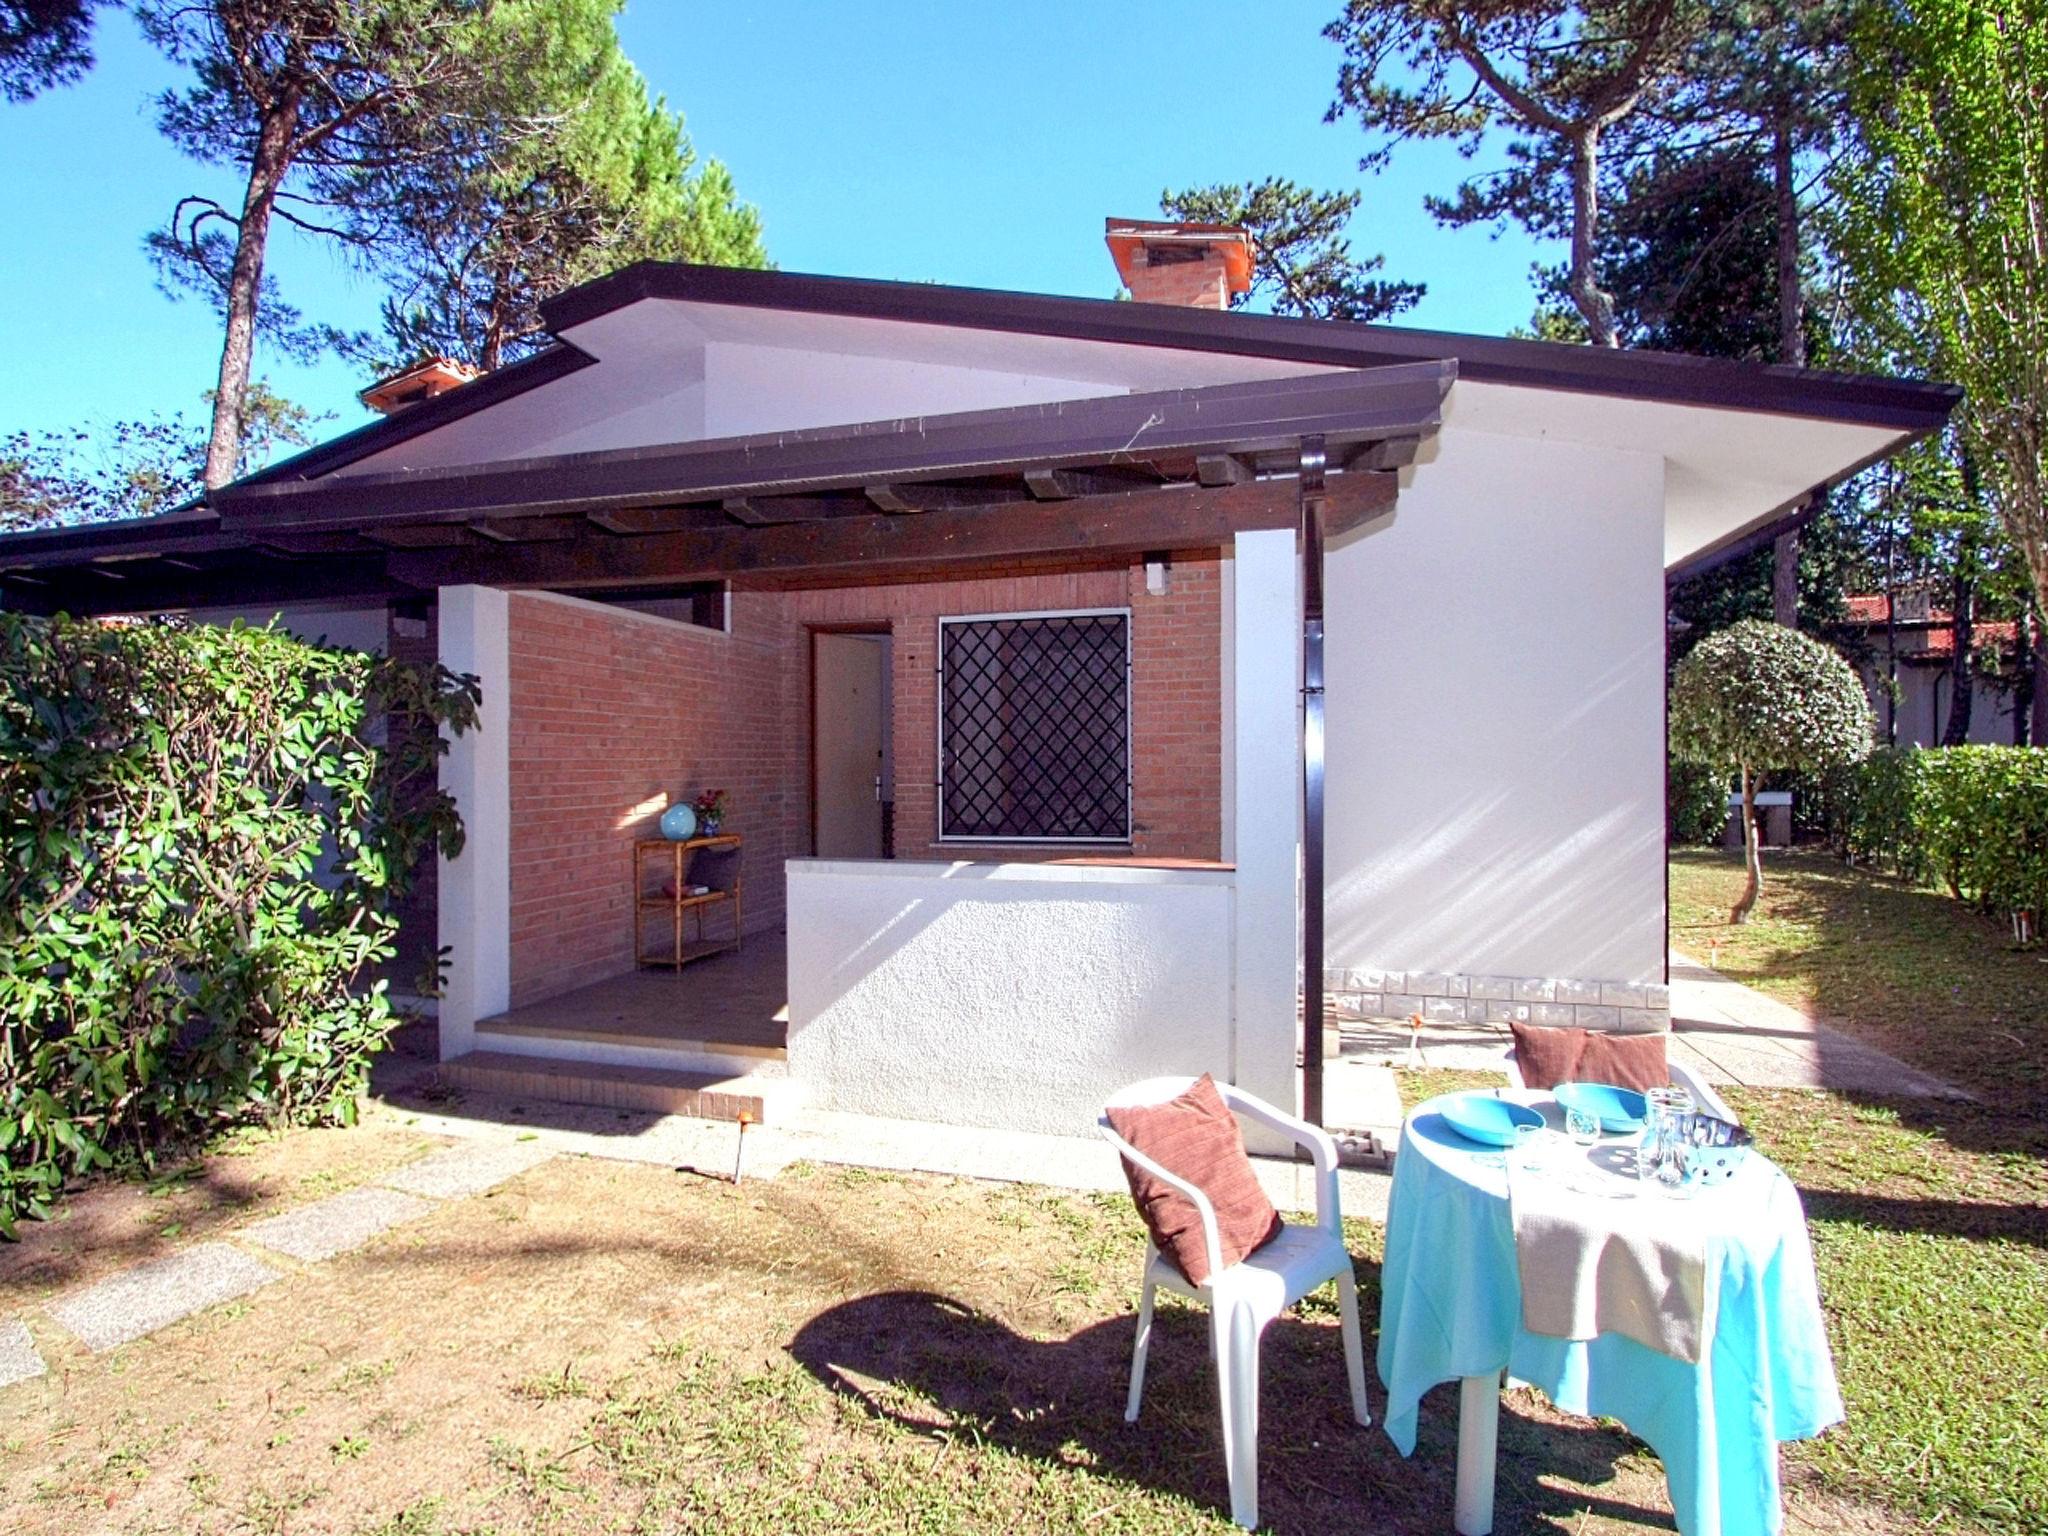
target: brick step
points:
(654, 1090)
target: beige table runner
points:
(1592, 1265)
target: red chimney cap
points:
(1231, 242)
(422, 381)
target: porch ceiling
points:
(1108, 475)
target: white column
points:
(1266, 785)
(476, 886)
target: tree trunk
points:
(245, 283)
(1785, 579)
(1962, 669)
(1791, 299)
(1594, 303)
(1752, 854)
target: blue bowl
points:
(1617, 1109)
(1483, 1118)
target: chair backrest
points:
(1681, 1076)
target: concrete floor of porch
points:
(730, 1005)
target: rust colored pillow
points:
(1626, 1061)
(1546, 1055)
(1197, 1139)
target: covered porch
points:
(967, 976)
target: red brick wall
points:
(611, 711)
(612, 714)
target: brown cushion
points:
(1196, 1138)
(1548, 1055)
(1626, 1061)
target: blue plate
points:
(1617, 1109)
(1483, 1118)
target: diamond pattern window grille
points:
(1035, 740)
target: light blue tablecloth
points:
(1451, 1306)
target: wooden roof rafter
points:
(1103, 476)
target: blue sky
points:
(957, 143)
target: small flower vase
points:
(707, 825)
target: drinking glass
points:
(1582, 1126)
(1529, 1147)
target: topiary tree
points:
(1757, 698)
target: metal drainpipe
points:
(1311, 495)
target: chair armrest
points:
(1702, 1092)
(1212, 1243)
(1317, 1142)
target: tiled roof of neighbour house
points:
(1933, 637)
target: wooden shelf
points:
(670, 860)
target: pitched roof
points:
(1901, 404)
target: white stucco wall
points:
(1496, 709)
(475, 887)
(1002, 995)
(345, 627)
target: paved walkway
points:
(1734, 1034)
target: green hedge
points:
(204, 834)
(1976, 818)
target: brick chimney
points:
(1198, 266)
(422, 381)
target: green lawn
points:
(1930, 1235)
(1906, 968)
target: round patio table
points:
(1451, 1310)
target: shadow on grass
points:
(930, 1364)
(1904, 968)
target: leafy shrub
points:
(1974, 817)
(1983, 820)
(1696, 802)
(1877, 812)
(205, 831)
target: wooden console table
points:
(671, 861)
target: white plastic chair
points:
(1681, 1075)
(1248, 1295)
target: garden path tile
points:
(18, 1357)
(335, 1225)
(468, 1170)
(150, 1296)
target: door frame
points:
(880, 627)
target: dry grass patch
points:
(114, 1223)
(601, 1347)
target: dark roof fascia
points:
(1899, 404)
(556, 362)
(188, 529)
(1359, 406)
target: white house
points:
(988, 610)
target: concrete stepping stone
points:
(335, 1225)
(469, 1169)
(18, 1357)
(150, 1296)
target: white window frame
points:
(1130, 711)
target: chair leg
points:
(1354, 1344)
(1142, 1343)
(1237, 1390)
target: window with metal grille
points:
(1035, 727)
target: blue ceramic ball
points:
(679, 823)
